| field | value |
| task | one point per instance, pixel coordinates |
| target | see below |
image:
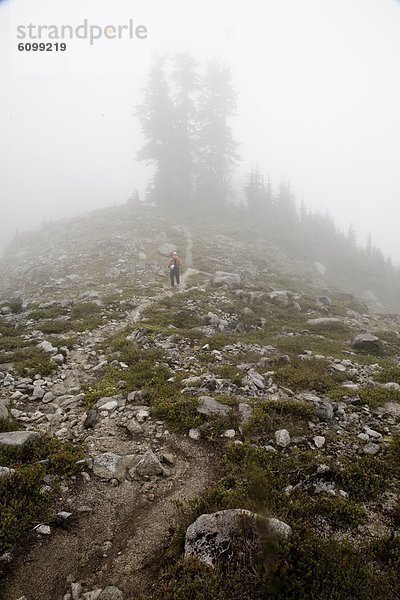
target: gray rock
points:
(48, 347)
(245, 412)
(211, 534)
(91, 420)
(194, 434)
(93, 595)
(319, 441)
(111, 593)
(372, 433)
(134, 428)
(366, 341)
(149, 464)
(253, 380)
(229, 433)
(371, 448)
(279, 297)
(109, 466)
(224, 278)
(210, 406)
(109, 406)
(38, 392)
(59, 358)
(18, 438)
(282, 438)
(324, 321)
(48, 397)
(6, 472)
(391, 385)
(324, 300)
(323, 409)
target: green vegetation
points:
(378, 396)
(23, 498)
(305, 566)
(307, 374)
(31, 361)
(272, 415)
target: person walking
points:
(174, 265)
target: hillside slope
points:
(254, 385)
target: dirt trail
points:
(116, 534)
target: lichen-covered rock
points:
(211, 535)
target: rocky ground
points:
(171, 396)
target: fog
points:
(318, 87)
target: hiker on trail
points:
(174, 266)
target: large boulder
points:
(366, 341)
(224, 278)
(18, 438)
(211, 535)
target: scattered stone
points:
(366, 341)
(371, 448)
(109, 466)
(319, 441)
(111, 593)
(229, 433)
(91, 420)
(18, 438)
(43, 529)
(149, 464)
(253, 380)
(323, 409)
(194, 434)
(134, 428)
(282, 438)
(6, 472)
(210, 406)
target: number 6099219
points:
(42, 47)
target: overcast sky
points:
(319, 98)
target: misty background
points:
(318, 85)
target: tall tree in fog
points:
(259, 194)
(186, 81)
(216, 146)
(157, 118)
(256, 192)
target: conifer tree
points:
(216, 146)
(157, 118)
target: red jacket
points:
(175, 259)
